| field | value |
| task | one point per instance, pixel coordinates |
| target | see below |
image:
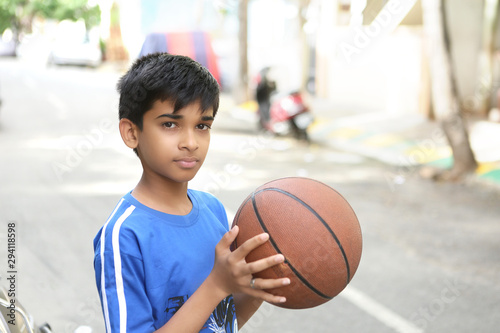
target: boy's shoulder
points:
(204, 200)
(204, 197)
(133, 222)
(129, 213)
(121, 218)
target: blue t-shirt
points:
(147, 263)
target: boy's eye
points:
(203, 127)
(168, 124)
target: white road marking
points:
(58, 104)
(378, 311)
(369, 305)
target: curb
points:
(405, 141)
(396, 149)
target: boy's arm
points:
(114, 303)
(231, 274)
(245, 306)
(194, 313)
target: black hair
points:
(163, 76)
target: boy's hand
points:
(233, 274)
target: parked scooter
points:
(281, 114)
(15, 319)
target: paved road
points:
(431, 259)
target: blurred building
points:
(139, 18)
(371, 53)
(365, 55)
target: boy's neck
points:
(168, 198)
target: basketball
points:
(316, 230)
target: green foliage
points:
(18, 14)
(8, 13)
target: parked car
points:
(78, 52)
(7, 44)
(7, 48)
(74, 45)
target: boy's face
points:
(174, 146)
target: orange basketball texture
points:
(316, 230)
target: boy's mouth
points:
(187, 163)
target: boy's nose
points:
(188, 141)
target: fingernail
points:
(264, 236)
(279, 258)
(282, 299)
(286, 282)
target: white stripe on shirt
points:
(122, 305)
(118, 271)
(103, 280)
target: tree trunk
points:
(485, 82)
(242, 94)
(444, 91)
(304, 45)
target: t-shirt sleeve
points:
(120, 282)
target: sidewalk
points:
(405, 140)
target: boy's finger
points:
(244, 249)
(270, 283)
(270, 298)
(229, 237)
(265, 263)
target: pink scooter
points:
(281, 114)
(290, 115)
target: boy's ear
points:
(129, 132)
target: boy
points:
(162, 260)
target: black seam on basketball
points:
(320, 218)
(312, 180)
(340, 195)
(236, 218)
(273, 243)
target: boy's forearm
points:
(195, 312)
(245, 306)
